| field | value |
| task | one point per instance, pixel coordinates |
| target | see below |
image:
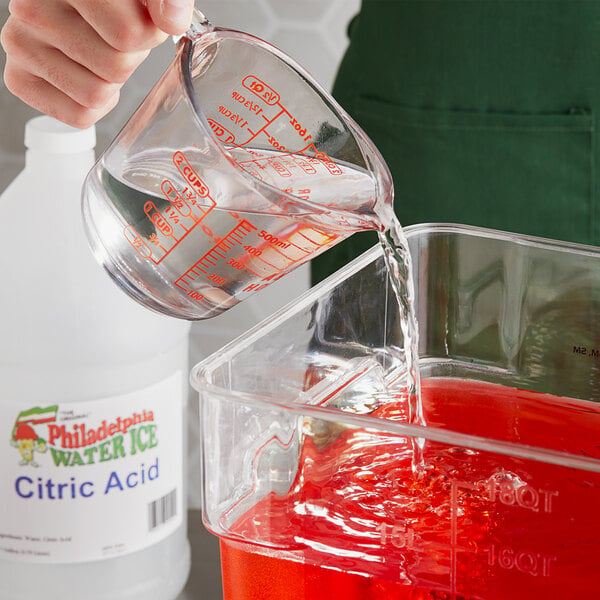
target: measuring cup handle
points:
(200, 24)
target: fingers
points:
(125, 25)
(57, 25)
(171, 16)
(47, 62)
(46, 98)
(69, 58)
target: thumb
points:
(171, 16)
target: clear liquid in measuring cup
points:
(221, 247)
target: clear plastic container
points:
(310, 470)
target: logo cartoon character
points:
(27, 441)
(24, 436)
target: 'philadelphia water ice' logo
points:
(25, 435)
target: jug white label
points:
(84, 481)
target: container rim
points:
(434, 434)
(200, 373)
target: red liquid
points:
(358, 524)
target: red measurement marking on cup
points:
(280, 168)
(188, 205)
(275, 256)
(160, 222)
(329, 164)
(308, 160)
(175, 222)
(274, 143)
(271, 97)
(175, 198)
(304, 165)
(205, 267)
(190, 175)
(223, 134)
(185, 209)
(261, 89)
(132, 236)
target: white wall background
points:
(311, 31)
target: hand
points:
(70, 58)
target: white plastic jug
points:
(92, 402)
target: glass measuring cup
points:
(306, 446)
(237, 168)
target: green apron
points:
(484, 110)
